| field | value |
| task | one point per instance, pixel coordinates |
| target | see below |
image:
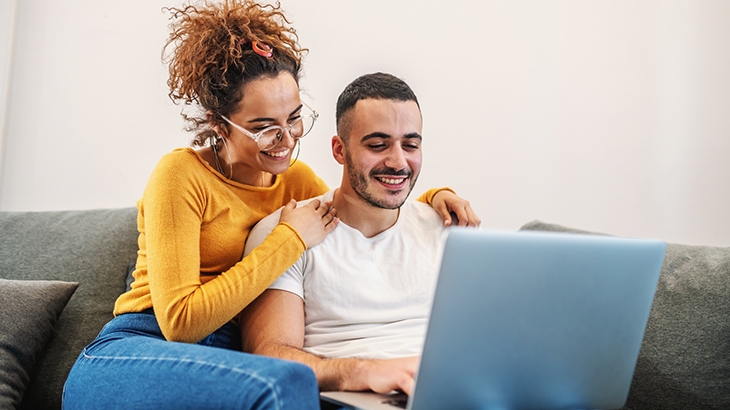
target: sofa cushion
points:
(684, 361)
(92, 248)
(29, 311)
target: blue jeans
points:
(130, 365)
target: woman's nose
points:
(286, 139)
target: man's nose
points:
(396, 158)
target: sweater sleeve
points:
(427, 197)
(188, 305)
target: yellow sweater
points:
(193, 224)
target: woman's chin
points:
(276, 164)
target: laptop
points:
(531, 320)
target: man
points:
(355, 307)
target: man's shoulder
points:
(419, 210)
(269, 222)
(422, 218)
(324, 197)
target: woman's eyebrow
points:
(297, 110)
(268, 119)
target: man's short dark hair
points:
(379, 86)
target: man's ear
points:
(338, 149)
(215, 125)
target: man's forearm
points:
(332, 374)
(273, 325)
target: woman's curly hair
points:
(211, 56)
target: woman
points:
(172, 343)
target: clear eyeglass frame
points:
(268, 138)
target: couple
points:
(174, 342)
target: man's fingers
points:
(406, 382)
(407, 386)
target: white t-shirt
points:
(366, 297)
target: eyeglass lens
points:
(298, 129)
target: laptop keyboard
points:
(400, 401)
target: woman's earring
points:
(228, 154)
(214, 141)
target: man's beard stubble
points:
(360, 184)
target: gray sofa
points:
(60, 273)
(91, 248)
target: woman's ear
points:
(219, 128)
(338, 149)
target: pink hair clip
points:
(261, 49)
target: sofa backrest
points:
(93, 248)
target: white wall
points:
(602, 115)
(7, 29)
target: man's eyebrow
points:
(373, 135)
(267, 119)
(412, 135)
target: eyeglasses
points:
(270, 137)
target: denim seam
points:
(272, 386)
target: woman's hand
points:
(313, 221)
(446, 203)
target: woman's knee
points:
(293, 384)
(298, 373)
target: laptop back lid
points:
(536, 320)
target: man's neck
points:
(358, 214)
